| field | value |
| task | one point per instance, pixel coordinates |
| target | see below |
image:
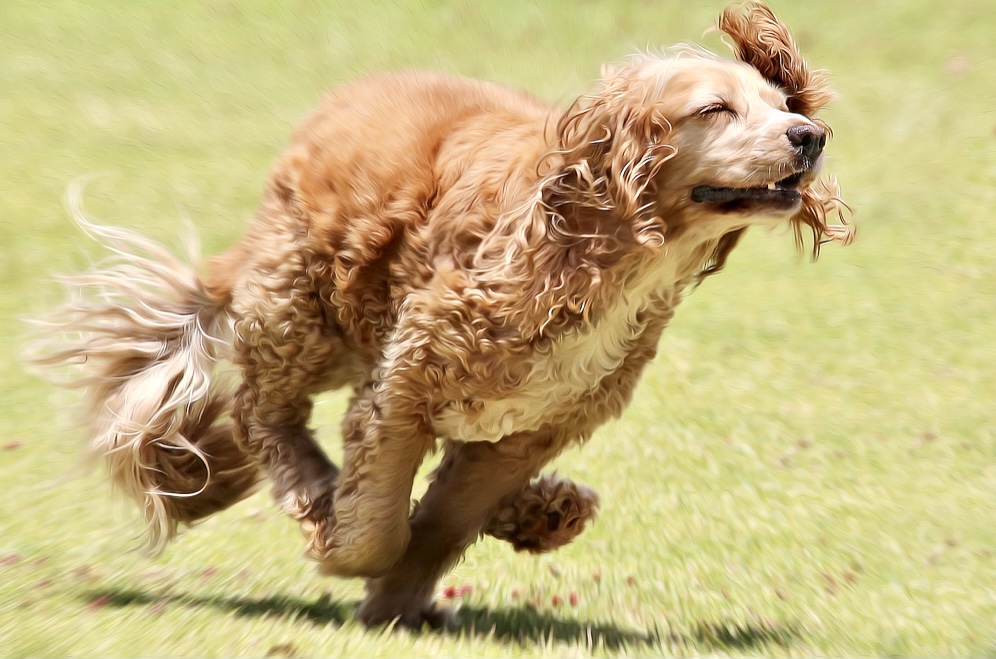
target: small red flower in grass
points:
(630, 581)
(99, 602)
(574, 599)
(556, 601)
(450, 592)
(465, 590)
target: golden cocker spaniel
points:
(480, 268)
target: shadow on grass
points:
(514, 625)
(524, 624)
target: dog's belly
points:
(497, 419)
(563, 386)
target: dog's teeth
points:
(771, 186)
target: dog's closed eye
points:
(716, 109)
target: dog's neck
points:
(570, 274)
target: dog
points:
(487, 273)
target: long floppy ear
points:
(592, 204)
(762, 41)
(607, 149)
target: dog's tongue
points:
(709, 194)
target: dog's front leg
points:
(474, 480)
(385, 437)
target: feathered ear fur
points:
(608, 148)
(762, 41)
(593, 202)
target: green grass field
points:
(809, 468)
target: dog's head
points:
(691, 141)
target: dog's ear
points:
(762, 41)
(593, 203)
(608, 148)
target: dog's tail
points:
(140, 337)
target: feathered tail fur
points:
(140, 338)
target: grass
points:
(809, 467)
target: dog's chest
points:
(564, 381)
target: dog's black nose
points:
(809, 139)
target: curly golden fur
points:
(480, 268)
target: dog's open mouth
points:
(781, 194)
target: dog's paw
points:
(548, 514)
(356, 561)
(360, 541)
(348, 551)
(405, 611)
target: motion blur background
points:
(809, 466)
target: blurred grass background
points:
(809, 467)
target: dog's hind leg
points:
(287, 352)
(544, 516)
(473, 482)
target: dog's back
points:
(371, 162)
